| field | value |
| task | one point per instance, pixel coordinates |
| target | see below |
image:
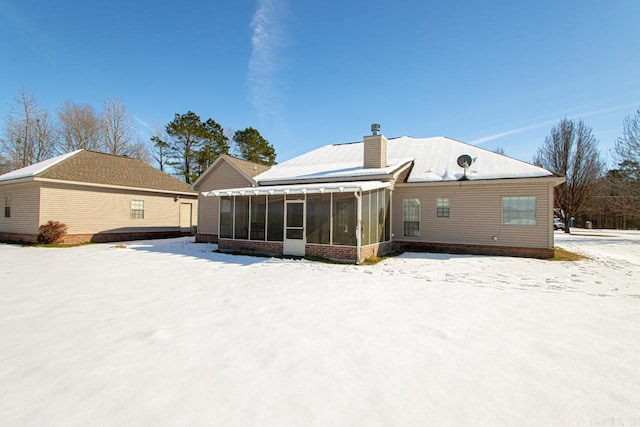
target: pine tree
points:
(253, 147)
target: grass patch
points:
(560, 254)
(58, 245)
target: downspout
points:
(358, 195)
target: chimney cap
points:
(375, 128)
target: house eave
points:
(116, 187)
(555, 180)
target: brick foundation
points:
(250, 247)
(18, 238)
(451, 248)
(95, 238)
(206, 238)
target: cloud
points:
(549, 122)
(141, 122)
(267, 41)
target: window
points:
(137, 209)
(411, 217)
(258, 212)
(241, 218)
(519, 210)
(318, 218)
(442, 207)
(344, 222)
(275, 219)
(7, 206)
(226, 217)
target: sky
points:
(305, 74)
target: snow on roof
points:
(435, 160)
(37, 168)
(320, 188)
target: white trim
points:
(318, 188)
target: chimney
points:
(375, 149)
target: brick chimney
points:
(375, 149)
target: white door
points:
(185, 217)
(294, 228)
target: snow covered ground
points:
(170, 333)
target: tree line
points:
(592, 194)
(185, 147)
(31, 134)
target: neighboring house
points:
(225, 172)
(100, 197)
(353, 201)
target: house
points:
(356, 200)
(100, 197)
(225, 172)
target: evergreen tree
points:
(253, 147)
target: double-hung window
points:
(442, 207)
(520, 210)
(137, 209)
(7, 206)
(411, 217)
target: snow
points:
(36, 168)
(169, 332)
(435, 160)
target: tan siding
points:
(224, 176)
(375, 151)
(25, 202)
(475, 215)
(87, 210)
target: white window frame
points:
(443, 207)
(411, 217)
(520, 211)
(137, 209)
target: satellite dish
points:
(465, 161)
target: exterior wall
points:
(475, 215)
(25, 209)
(375, 151)
(89, 211)
(223, 176)
(251, 247)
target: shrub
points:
(52, 232)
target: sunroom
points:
(347, 221)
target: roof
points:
(434, 160)
(245, 167)
(99, 168)
(319, 188)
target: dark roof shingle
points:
(107, 169)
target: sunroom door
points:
(294, 228)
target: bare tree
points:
(28, 136)
(499, 150)
(4, 165)
(628, 146)
(118, 134)
(571, 150)
(79, 127)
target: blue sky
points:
(305, 74)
